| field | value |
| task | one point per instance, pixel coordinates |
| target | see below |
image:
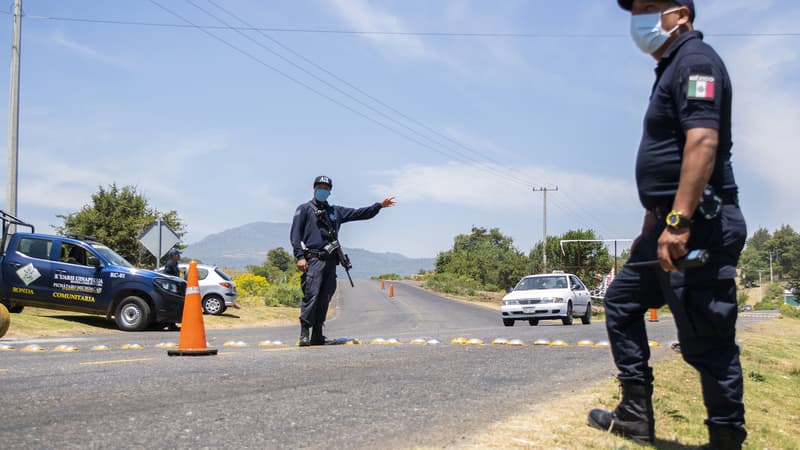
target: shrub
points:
(254, 285)
(790, 311)
(449, 283)
(288, 294)
(741, 298)
(388, 276)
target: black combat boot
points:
(725, 438)
(304, 341)
(632, 418)
(316, 336)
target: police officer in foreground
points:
(686, 185)
(171, 267)
(315, 226)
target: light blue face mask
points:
(322, 194)
(647, 32)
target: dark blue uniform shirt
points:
(306, 229)
(692, 90)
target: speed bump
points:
(652, 344)
(500, 341)
(99, 348)
(541, 342)
(33, 348)
(166, 345)
(559, 343)
(65, 349)
(585, 343)
(132, 347)
(235, 344)
(516, 343)
(6, 348)
(602, 344)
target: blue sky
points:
(203, 129)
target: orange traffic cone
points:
(653, 315)
(383, 283)
(391, 289)
(193, 333)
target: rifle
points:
(333, 248)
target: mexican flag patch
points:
(701, 87)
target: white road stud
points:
(585, 343)
(474, 341)
(235, 344)
(433, 342)
(33, 348)
(100, 348)
(378, 341)
(65, 349)
(132, 347)
(541, 342)
(559, 343)
(6, 348)
(166, 345)
(516, 343)
(500, 341)
(602, 344)
(393, 341)
(418, 341)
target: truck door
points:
(75, 282)
(28, 269)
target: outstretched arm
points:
(351, 214)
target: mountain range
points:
(248, 244)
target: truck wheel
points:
(16, 308)
(133, 314)
(5, 320)
(213, 304)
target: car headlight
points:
(510, 302)
(168, 285)
(552, 300)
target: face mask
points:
(647, 32)
(322, 194)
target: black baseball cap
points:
(322, 179)
(628, 4)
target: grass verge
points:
(771, 363)
(39, 322)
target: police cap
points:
(322, 179)
(628, 4)
(173, 252)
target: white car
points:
(548, 296)
(217, 289)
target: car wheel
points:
(508, 322)
(133, 314)
(16, 308)
(533, 322)
(5, 320)
(568, 319)
(213, 304)
(587, 317)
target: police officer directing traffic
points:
(686, 185)
(314, 228)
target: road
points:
(359, 396)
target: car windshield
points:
(551, 282)
(111, 255)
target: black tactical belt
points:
(664, 206)
(319, 254)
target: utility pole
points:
(544, 190)
(770, 263)
(13, 113)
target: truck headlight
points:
(167, 285)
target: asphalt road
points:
(360, 396)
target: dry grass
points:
(771, 362)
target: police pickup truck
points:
(71, 274)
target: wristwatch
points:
(676, 220)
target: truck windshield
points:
(111, 256)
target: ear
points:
(684, 15)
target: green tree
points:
(117, 217)
(588, 260)
(280, 258)
(755, 256)
(486, 256)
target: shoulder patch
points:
(701, 87)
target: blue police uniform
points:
(692, 90)
(309, 237)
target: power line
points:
(448, 34)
